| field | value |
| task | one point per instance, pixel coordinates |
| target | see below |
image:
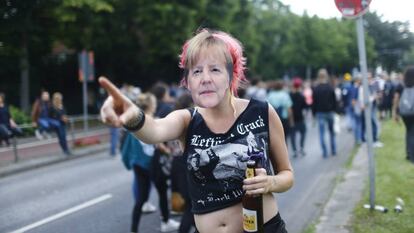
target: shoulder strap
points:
(192, 111)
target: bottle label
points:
(249, 172)
(249, 220)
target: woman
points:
(58, 120)
(138, 156)
(213, 65)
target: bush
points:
(20, 118)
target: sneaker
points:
(378, 144)
(38, 135)
(171, 225)
(148, 208)
(47, 135)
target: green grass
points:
(348, 163)
(394, 178)
(310, 228)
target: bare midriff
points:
(229, 220)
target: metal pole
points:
(16, 155)
(85, 103)
(367, 111)
(72, 132)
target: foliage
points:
(137, 41)
(19, 116)
(394, 178)
(392, 41)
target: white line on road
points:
(64, 213)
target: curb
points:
(338, 211)
(50, 159)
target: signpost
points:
(355, 9)
(86, 74)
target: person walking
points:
(323, 107)
(404, 106)
(138, 156)
(299, 126)
(215, 135)
(282, 103)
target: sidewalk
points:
(53, 155)
(338, 210)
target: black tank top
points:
(216, 163)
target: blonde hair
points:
(57, 100)
(323, 76)
(145, 101)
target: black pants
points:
(409, 137)
(143, 182)
(178, 176)
(275, 225)
(160, 168)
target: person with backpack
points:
(280, 100)
(405, 100)
(138, 156)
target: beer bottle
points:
(252, 206)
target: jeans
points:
(349, 114)
(326, 118)
(374, 125)
(47, 124)
(300, 128)
(114, 133)
(409, 137)
(7, 132)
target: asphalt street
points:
(93, 194)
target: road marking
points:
(64, 213)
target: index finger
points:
(110, 88)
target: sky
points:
(391, 10)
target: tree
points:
(392, 40)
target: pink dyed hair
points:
(234, 52)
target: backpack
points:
(406, 105)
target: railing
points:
(72, 122)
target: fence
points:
(75, 124)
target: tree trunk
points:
(24, 76)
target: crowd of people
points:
(294, 101)
(50, 116)
(212, 125)
(47, 116)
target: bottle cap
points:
(251, 163)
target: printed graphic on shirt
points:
(220, 163)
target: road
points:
(92, 194)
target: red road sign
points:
(352, 8)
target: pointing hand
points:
(117, 109)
